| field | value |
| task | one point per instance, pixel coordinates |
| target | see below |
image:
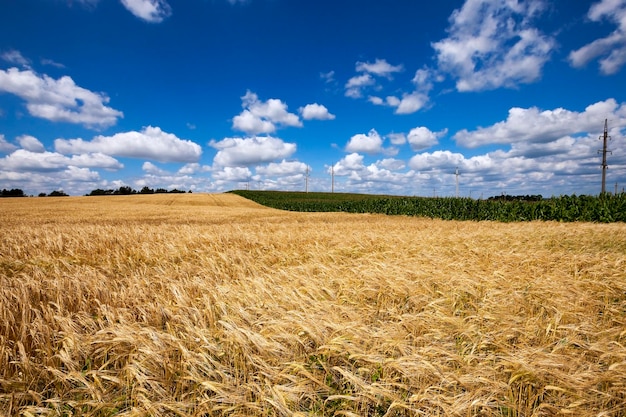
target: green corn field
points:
(606, 208)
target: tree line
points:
(125, 190)
(16, 192)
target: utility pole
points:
(604, 151)
(456, 173)
(306, 187)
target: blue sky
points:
(391, 96)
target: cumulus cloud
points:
(30, 143)
(421, 138)
(612, 48)
(316, 112)
(355, 85)
(282, 169)
(410, 103)
(536, 126)
(371, 143)
(149, 168)
(365, 78)
(263, 116)
(348, 164)
(23, 160)
(153, 11)
(379, 67)
(233, 152)
(383, 176)
(436, 160)
(149, 143)
(193, 168)
(492, 44)
(232, 174)
(58, 100)
(5, 146)
(391, 164)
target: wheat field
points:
(211, 305)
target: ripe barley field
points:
(211, 305)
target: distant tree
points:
(42, 195)
(15, 192)
(146, 190)
(125, 190)
(58, 193)
(100, 191)
(161, 191)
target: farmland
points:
(606, 208)
(213, 305)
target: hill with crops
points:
(212, 305)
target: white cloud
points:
(316, 111)
(612, 47)
(263, 116)
(58, 100)
(282, 169)
(328, 77)
(5, 146)
(421, 138)
(410, 103)
(391, 164)
(150, 143)
(30, 143)
(397, 138)
(52, 63)
(16, 58)
(73, 179)
(249, 123)
(150, 168)
(383, 176)
(379, 67)
(436, 160)
(23, 160)
(234, 152)
(492, 44)
(153, 11)
(96, 160)
(371, 143)
(193, 168)
(536, 126)
(349, 163)
(232, 174)
(424, 79)
(355, 85)
(378, 101)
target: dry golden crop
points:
(210, 305)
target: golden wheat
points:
(209, 305)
